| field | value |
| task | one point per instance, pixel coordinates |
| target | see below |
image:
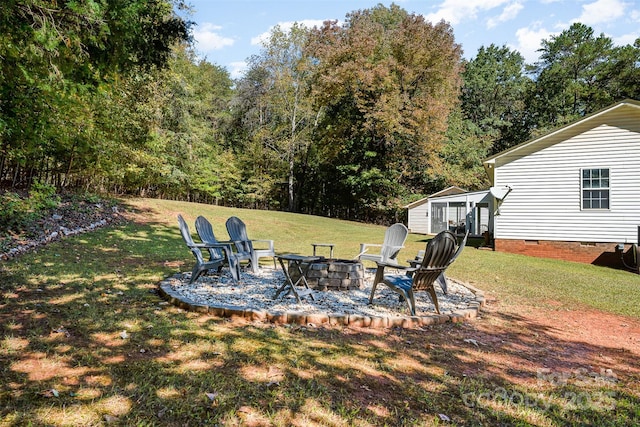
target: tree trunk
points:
(290, 185)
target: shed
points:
(418, 211)
(470, 211)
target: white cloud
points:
(508, 13)
(529, 41)
(626, 39)
(601, 11)
(285, 26)
(207, 38)
(455, 11)
(236, 69)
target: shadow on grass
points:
(86, 339)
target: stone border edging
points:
(300, 318)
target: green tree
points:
(56, 58)
(621, 72)
(276, 98)
(461, 155)
(571, 77)
(494, 95)
(258, 164)
(195, 112)
(387, 81)
(166, 132)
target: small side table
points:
(302, 263)
(326, 245)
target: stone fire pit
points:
(330, 274)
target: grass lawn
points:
(85, 340)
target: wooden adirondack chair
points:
(442, 278)
(218, 249)
(245, 247)
(201, 265)
(437, 258)
(394, 239)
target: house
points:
(574, 193)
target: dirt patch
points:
(525, 343)
(532, 347)
(591, 326)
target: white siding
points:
(545, 202)
(418, 219)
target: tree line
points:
(351, 120)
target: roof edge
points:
(436, 194)
(630, 102)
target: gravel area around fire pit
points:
(257, 291)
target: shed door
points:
(438, 217)
(457, 215)
(482, 218)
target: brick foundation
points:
(586, 252)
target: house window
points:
(595, 189)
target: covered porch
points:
(461, 212)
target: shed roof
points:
(475, 196)
(447, 191)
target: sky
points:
(227, 32)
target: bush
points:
(16, 212)
(13, 211)
(43, 197)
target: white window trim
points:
(582, 208)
